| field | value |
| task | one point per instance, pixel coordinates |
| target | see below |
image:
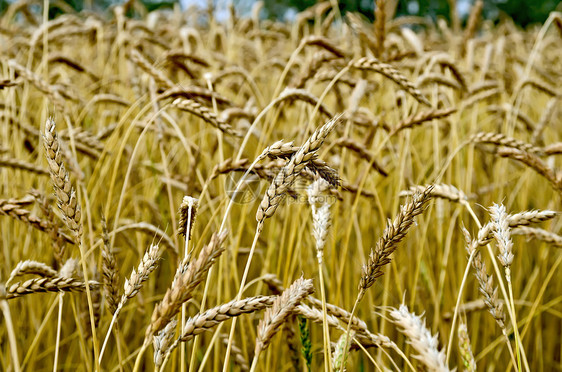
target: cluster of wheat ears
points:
(399, 192)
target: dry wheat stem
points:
(67, 201)
(321, 223)
(10, 329)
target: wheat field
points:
(180, 193)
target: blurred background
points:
(523, 12)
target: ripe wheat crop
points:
(179, 193)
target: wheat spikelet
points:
(133, 285)
(500, 139)
(233, 165)
(485, 281)
(187, 212)
(86, 142)
(162, 342)
(528, 217)
(540, 234)
(14, 208)
(288, 174)
(536, 164)
(339, 360)
(422, 117)
(65, 192)
(502, 235)
(39, 83)
(320, 215)
(41, 285)
(139, 275)
(29, 267)
(185, 281)
(109, 269)
(292, 341)
(285, 150)
(216, 315)
(394, 232)
(553, 149)
(282, 307)
(237, 354)
(204, 113)
(20, 164)
(465, 348)
(421, 339)
(365, 337)
(439, 190)
(276, 287)
(391, 73)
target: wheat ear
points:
(274, 317)
(187, 278)
(133, 285)
(109, 269)
(421, 339)
(394, 232)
